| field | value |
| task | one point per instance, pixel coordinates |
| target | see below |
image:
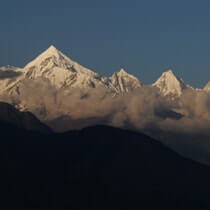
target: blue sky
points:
(146, 37)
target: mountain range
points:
(66, 95)
(60, 72)
(63, 72)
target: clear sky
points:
(146, 37)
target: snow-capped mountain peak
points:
(170, 84)
(124, 82)
(168, 74)
(52, 49)
(122, 72)
(60, 70)
(51, 56)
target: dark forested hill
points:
(97, 167)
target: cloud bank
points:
(142, 108)
(175, 122)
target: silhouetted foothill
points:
(96, 167)
(24, 120)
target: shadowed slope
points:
(24, 120)
(96, 167)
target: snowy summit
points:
(62, 72)
(169, 84)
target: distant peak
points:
(53, 59)
(52, 46)
(169, 83)
(122, 72)
(169, 76)
(169, 72)
(51, 50)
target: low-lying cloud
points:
(9, 74)
(143, 109)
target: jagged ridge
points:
(63, 72)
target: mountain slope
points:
(8, 77)
(97, 166)
(168, 84)
(61, 70)
(124, 82)
(24, 120)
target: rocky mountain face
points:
(64, 73)
(168, 84)
(123, 82)
(61, 71)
